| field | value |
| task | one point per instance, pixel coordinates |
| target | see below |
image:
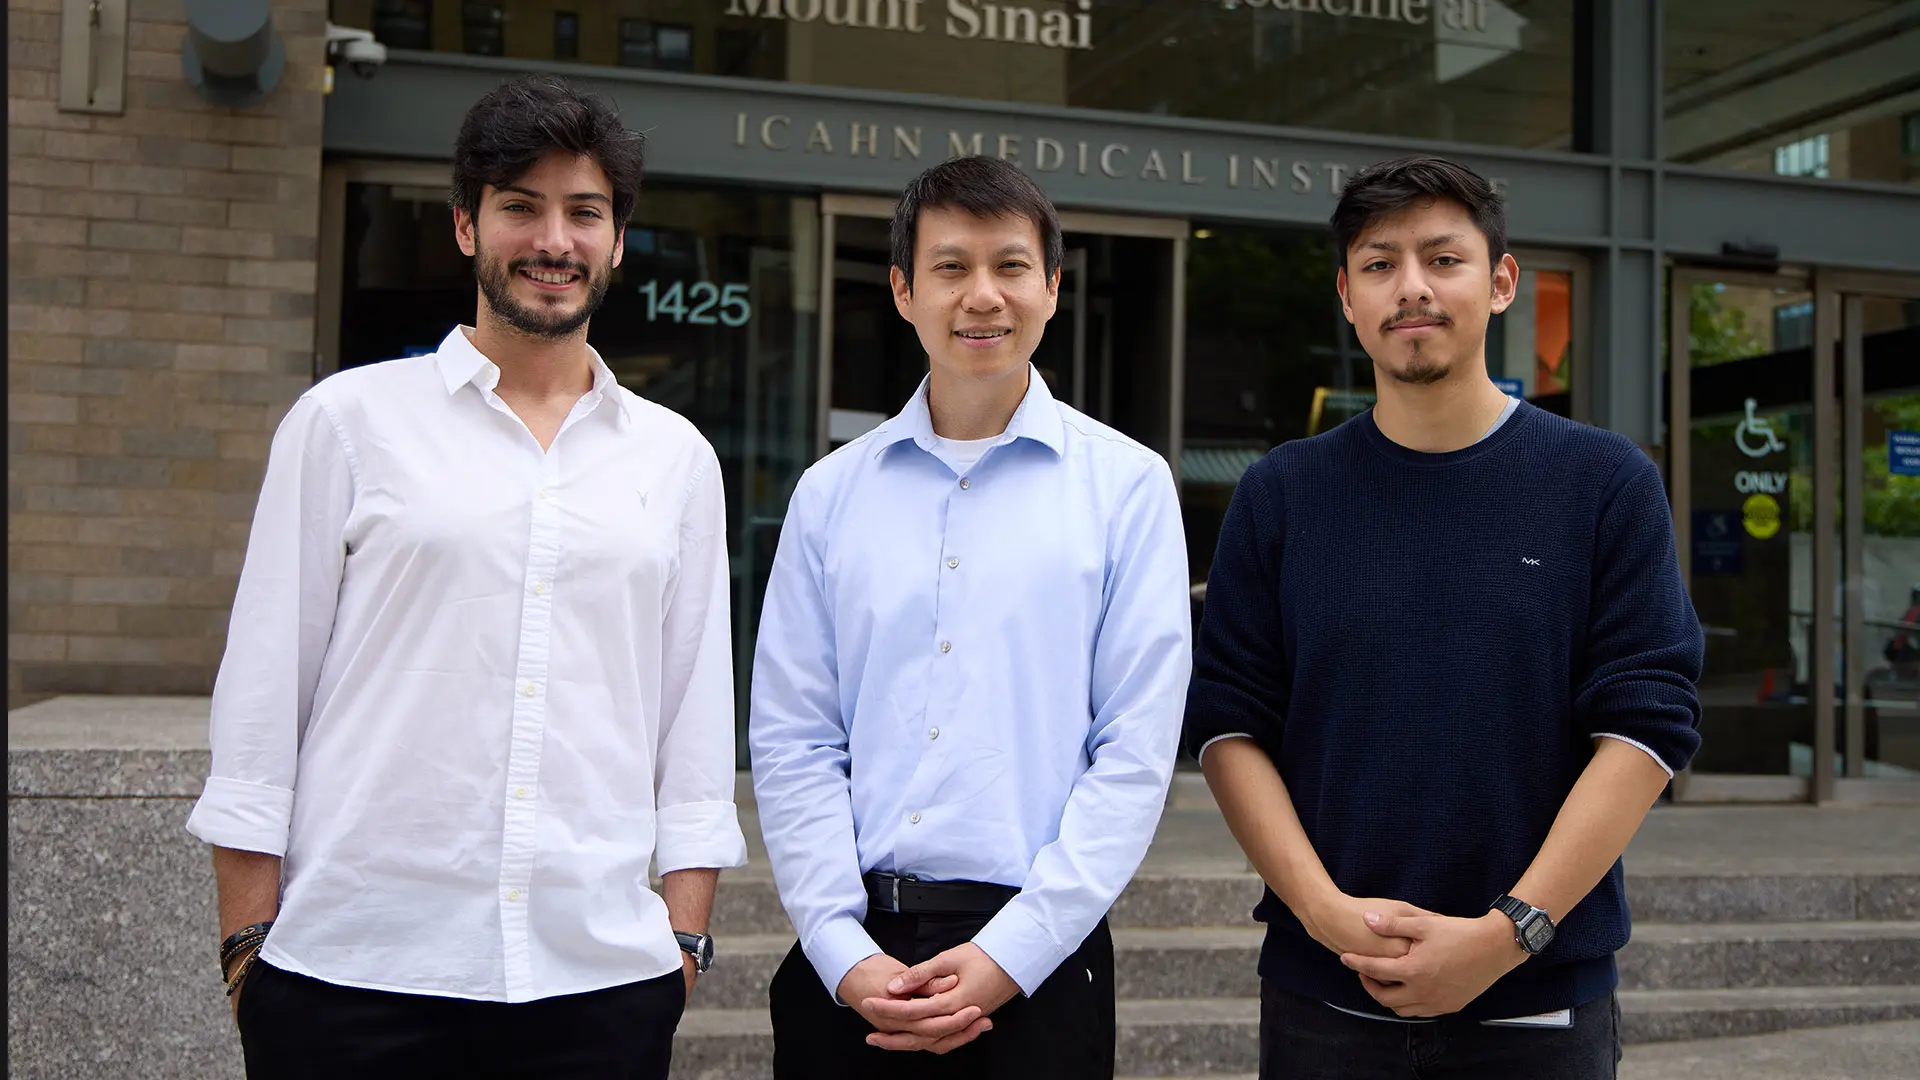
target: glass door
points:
(1879, 648)
(1114, 348)
(1748, 474)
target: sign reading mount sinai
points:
(965, 19)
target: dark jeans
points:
(296, 1028)
(1063, 1032)
(1304, 1039)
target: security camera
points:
(356, 49)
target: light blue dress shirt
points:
(973, 674)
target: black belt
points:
(909, 896)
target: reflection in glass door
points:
(1880, 520)
(1744, 471)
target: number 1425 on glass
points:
(702, 303)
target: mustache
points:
(1408, 315)
(561, 266)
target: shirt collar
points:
(1037, 418)
(460, 364)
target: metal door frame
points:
(833, 207)
(1842, 292)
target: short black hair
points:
(1388, 187)
(507, 132)
(984, 187)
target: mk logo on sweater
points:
(1524, 561)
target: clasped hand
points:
(1413, 961)
(939, 1005)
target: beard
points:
(1423, 367)
(542, 319)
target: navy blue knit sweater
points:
(1426, 645)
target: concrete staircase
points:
(1712, 955)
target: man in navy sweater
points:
(1446, 666)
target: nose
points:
(982, 293)
(1413, 286)
(552, 235)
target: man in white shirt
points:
(968, 687)
(478, 672)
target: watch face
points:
(1537, 934)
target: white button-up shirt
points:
(472, 688)
(973, 674)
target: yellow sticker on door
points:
(1761, 513)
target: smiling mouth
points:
(550, 278)
(983, 335)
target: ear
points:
(463, 234)
(619, 246)
(1506, 283)
(902, 292)
(1340, 286)
(1053, 292)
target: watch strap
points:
(1513, 908)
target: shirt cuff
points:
(1023, 948)
(698, 836)
(836, 947)
(1230, 735)
(1635, 742)
(242, 815)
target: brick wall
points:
(161, 278)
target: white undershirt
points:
(961, 455)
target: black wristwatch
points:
(699, 946)
(1532, 928)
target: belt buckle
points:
(897, 879)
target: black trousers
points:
(1304, 1039)
(1065, 1031)
(296, 1028)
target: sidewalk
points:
(1889, 1051)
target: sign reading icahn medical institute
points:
(1069, 24)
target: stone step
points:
(1650, 1016)
(1215, 962)
(1701, 956)
(749, 904)
(1218, 1037)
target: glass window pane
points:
(1795, 89)
(1498, 72)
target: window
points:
(1793, 326)
(1808, 157)
(645, 44)
(403, 24)
(566, 35)
(483, 28)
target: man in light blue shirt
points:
(969, 682)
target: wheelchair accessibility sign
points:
(1755, 435)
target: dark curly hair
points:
(523, 120)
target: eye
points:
(1377, 264)
(516, 207)
(1013, 265)
(946, 266)
(1446, 260)
(588, 212)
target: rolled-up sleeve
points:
(277, 636)
(1644, 642)
(1142, 659)
(697, 824)
(798, 739)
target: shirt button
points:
(946, 646)
(953, 564)
(513, 894)
(519, 793)
(547, 495)
(965, 483)
(933, 733)
(539, 588)
(914, 817)
(528, 690)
